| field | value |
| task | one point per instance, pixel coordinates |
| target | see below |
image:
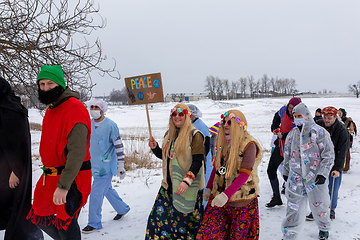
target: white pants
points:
(319, 201)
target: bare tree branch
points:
(38, 32)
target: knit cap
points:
(53, 73)
(215, 128)
(294, 101)
(318, 110)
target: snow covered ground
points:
(140, 187)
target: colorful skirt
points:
(230, 222)
(165, 222)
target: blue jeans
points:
(101, 188)
(337, 184)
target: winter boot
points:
(332, 214)
(323, 235)
(310, 217)
(88, 229)
(275, 200)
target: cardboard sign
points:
(144, 89)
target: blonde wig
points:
(238, 132)
(184, 132)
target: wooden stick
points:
(148, 119)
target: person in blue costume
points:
(203, 128)
(107, 160)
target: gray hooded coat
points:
(309, 152)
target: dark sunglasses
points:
(175, 113)
(228, 122)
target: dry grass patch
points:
(35, 126)
(144, 159)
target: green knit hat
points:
(53, 73)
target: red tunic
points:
(57, 124)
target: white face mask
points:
(95, 114)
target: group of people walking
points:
(210, 184)
(311, 154)
(73, 149)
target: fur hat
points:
(53, 73)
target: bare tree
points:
(210, 86)
(118, 96)
(252, 84)
(234, 89)
(219, 88)
(257, 87)
(226, 87)
(279, 85)
(38, 32)
(272, 84)
(243, 85)
(355, 88)
(265, 83)
(292, 86)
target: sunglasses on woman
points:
(228, 122)
(175, 113)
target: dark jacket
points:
(340, 138)
(15, 156)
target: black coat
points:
(15, 156)
(340, 138)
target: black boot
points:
(283, 189)
(275, 200)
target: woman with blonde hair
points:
(178, 209)
(232, 211)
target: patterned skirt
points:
(165, 222)
(230, 222)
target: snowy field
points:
(140, 187)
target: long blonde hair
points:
(183, 136)
(238, 133)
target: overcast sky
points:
(316, 42)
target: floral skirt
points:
(230, 222)
(165, 222)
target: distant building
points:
(185, 97)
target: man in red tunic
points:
(65, 184)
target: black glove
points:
(285, 178)
(320, 179)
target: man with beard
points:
(65, 184)
(340, 138)
(282, 124)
